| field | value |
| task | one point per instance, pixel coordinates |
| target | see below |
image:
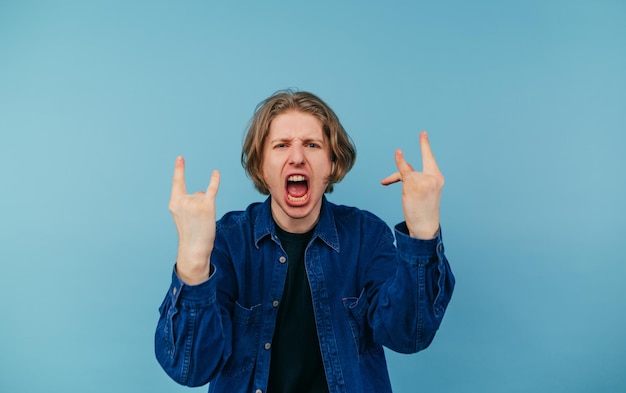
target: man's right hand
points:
(194, 217)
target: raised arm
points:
(421, 191)
(194, 217)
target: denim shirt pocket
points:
(361, 331)
(245, 340)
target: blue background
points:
(525, 103)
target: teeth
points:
(295, 199)
(296, 178)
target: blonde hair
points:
(342, 149)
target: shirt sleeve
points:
(409, 305)
(190, 325)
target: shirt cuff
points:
(413, 250)
(203, 293)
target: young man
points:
(297, 294)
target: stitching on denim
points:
(191, 326)
(420, 304)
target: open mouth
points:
(297, 188)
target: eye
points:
(312, 145)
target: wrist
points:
(424, 232)
(193, 268)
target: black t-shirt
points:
(296, 365)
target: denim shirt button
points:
(258, 391)
(174, 291)
(282, 259)
(267, 346)
(275, 303)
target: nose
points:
(296, 154)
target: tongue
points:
(296, 189)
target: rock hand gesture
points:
(421, 191)
(194, 217)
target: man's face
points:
(296, 166)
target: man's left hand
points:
(421, 191)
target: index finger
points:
(429, 165)
(178, 181)
(403, 166)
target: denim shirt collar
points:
(325, 228)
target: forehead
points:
(295, 124)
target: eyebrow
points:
(305, 140)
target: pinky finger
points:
(211, 191)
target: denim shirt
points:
(366, 294)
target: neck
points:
(295, 224)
